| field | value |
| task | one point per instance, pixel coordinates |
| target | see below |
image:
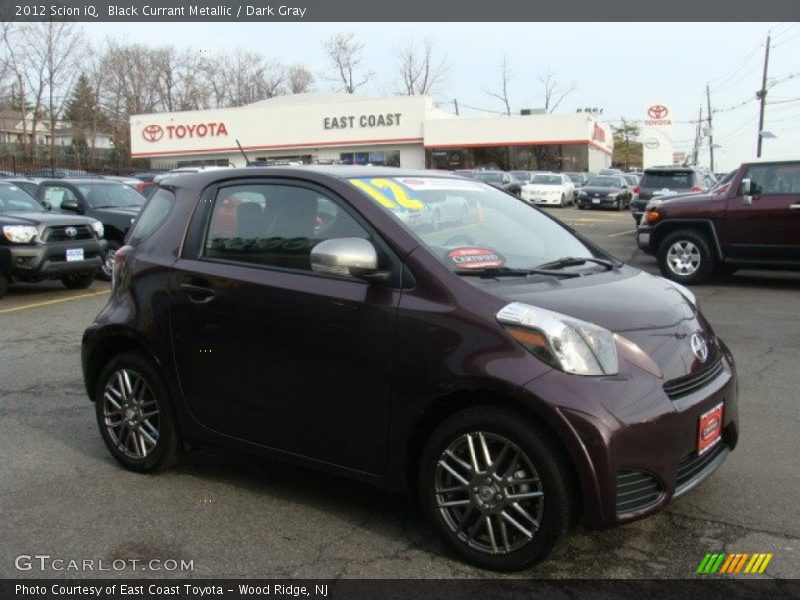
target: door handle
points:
(198, 293)
(794, 207)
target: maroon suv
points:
(753, 222)
(501, 366)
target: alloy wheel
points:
(108, 263)
(683, 258)
(488, 492)
(131, 414)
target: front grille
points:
(636, 490)
(683, 386)
(694, 467)
(57, 233)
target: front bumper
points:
(539, 199)
(637, 446)
(643, 235)
(597, 202)
(49, 261)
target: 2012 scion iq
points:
(504, 368)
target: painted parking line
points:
(48, 302)
(630, 231)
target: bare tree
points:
(345, 54)
(247, 77)
(506, 75)
(553, 91)
(299, 79)
(419, 72)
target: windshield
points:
(490, 176)
(99, 195)
(469, 225)
(13, 199)
(547, 179)
(605, 182)
(668, 179)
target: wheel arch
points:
(445, 406)
(702, 226)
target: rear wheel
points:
(685, 257)
(496, 488)
(108, 261)
(78, 281)
(134, 413)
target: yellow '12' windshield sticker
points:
(389, 193)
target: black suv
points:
(664, 182)
(36, 245)
(112, 203)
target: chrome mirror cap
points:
(347, 257)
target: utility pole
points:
(455, 103)
(762, 95)
(710, 131)
(697, 136)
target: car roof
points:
(671, 168)
(82, 180)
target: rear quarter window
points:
(153, 215)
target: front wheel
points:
(79, 281)
(496, 488)
(108, 261)
(685, 257)
(134, 414)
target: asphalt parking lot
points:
(238, 516)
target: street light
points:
(767, 135)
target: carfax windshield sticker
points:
(389, 193)
(475, 258)
(421, 184)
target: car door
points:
(266, 350)
(766, 225)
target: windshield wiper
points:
(492, 272)
(575, 261)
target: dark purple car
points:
(508, 371)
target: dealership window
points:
(551, 157)
(274, 225)
(387, 158)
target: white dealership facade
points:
(406, 131)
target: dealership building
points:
(406, 131)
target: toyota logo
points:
(153, 133)
(699, 347)
(71, 231)
(658, 111)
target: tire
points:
(685, 256)
(108, 261)
(563, 202)
(3, 285)
(78, 281)
(618, 205)
(538, 468)
(155, 444)
(581, 206)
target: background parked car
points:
(605, 191)
(752, 222)
(522, 176)
(36, 244)
(500, 179)
(114, 204)
(660, 182)
(550, 188)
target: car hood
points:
(600, 190)
(42, 218)
(619, 303)
(543, 187)
(646, 310)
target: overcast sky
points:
(621, 67)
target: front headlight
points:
(98, 228)
(612, 196)
(582, 194)
(566, 343)
(19, 234)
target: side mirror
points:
(347, 257)
(71, 205)
(47, 205)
